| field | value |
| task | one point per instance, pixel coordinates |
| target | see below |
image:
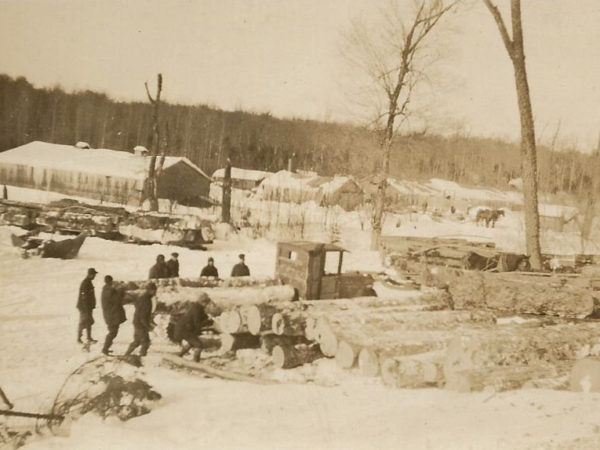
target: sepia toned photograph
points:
(300, 224)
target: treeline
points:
(207, 136)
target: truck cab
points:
(314, 269)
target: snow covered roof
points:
(566, 212)
(96, 161)
(243, 174)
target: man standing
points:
(86, 302)
(159, 270)
(240, 269)
(142, 321)
(210, 270)
(173, 265)
(113, 311)
(189, 326)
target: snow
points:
(336, 410)
(105, 162)
(243, 174)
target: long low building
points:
(100, 174)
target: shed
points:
(100, 174)
(291, 187)
(242, 182)
(555, 217)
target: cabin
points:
(315, 270)
(243, 181)
(556, 217)
(100, 174)
(301, 187)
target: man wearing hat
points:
(86, 302)
(210, 270)
(173, 265)
(113, 311)
(240, 269)
(142, 321)
(160, 269)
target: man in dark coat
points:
(173, 265)
(86, 302)
(190, 325)
(210, 270)
(160, 269)
(240, 269)
(142, 321)
(113, 311)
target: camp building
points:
(100, 174)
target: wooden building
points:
(99, 174)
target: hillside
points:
(259, 141)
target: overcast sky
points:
(282, 56)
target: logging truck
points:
(315, 271)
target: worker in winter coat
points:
(142, 321)
(113, 311)
(173, 265)
(86, 302)
(240, 269)
(160, 269)
(190, 325)
(210, 270)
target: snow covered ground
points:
(38, 350)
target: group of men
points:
(186, 327)
(114, 313)
(170, 268)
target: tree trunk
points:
(233, 342)
(499, 378)
(291, 323)
(269, 341)
(288, 357)
(416, 371)
(381, 187)
(226, 203)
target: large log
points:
(289, 322)
(416, 371)
(270, 340)
(585, 375)
(207, 282)
(500, 378)
(259, 317)
(557, 295)
(515, 346)
(233, 342)
(288, 357)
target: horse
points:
(488, 216)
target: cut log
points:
(258, 317)
(231, 322)
(310, 330)
(560, 383)
(346, 355)
(289, 323)
(556, 296)
(514, 345)
(585, 376)
(326, 337)
(270, 340)
(288, 357)
(417, 371)
(499, 378)
(229, 282)
(233, 342)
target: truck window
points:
(332, 261)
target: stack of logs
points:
(410, 341)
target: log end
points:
(253, 320)
(346, 355)
(368, 363)
(278, 324)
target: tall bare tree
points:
(516, 52)
(389, 54)
(157, 154)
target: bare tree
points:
(389, 55)
(154, 170)
(514, 47)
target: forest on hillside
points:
(207, 136)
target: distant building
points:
(99, 174)
(242, 182)
(291, 187)
(555, 217)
